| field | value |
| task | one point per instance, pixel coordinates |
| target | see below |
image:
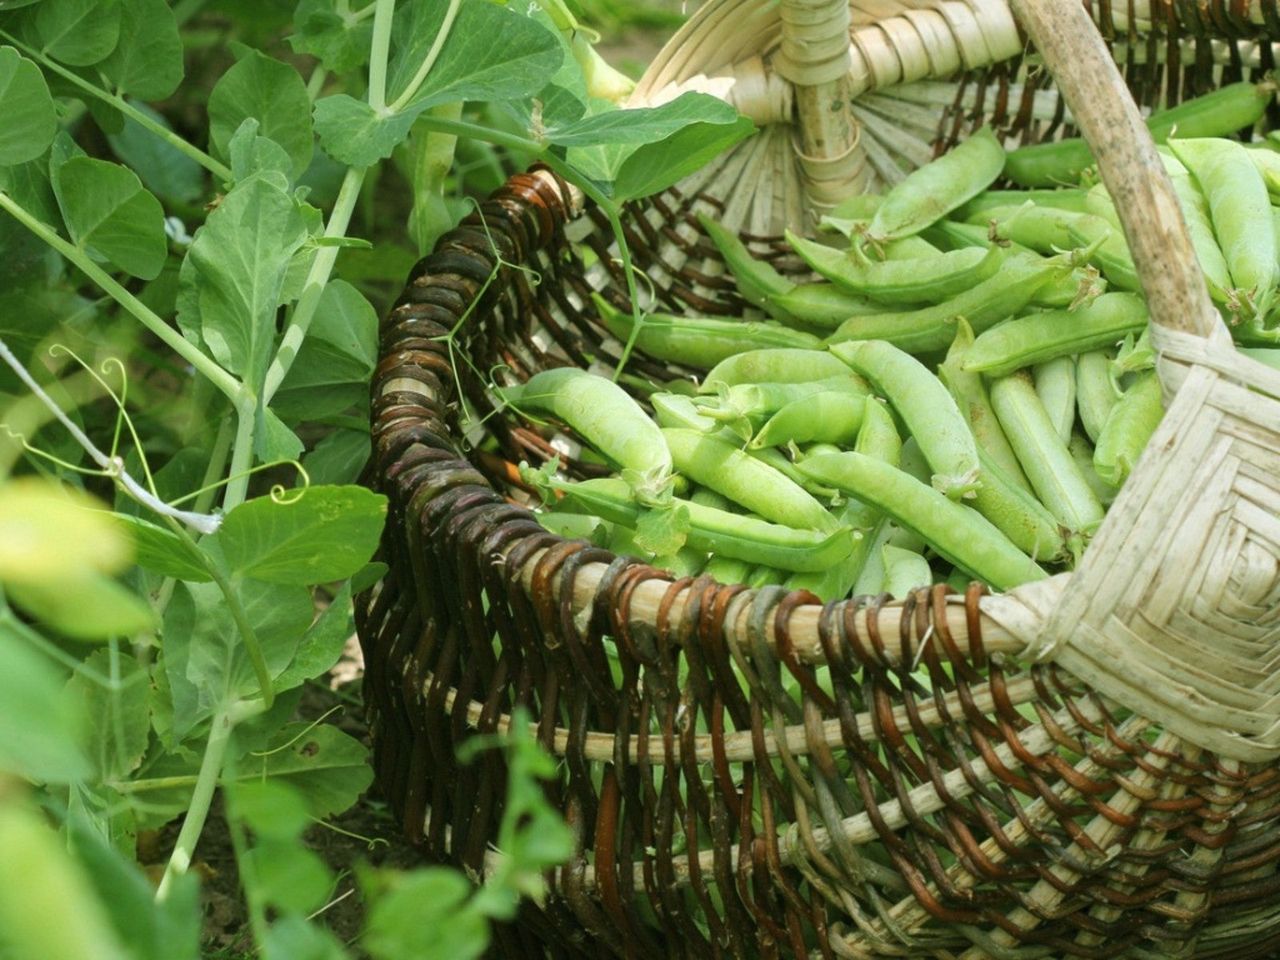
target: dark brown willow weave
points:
(651, 772)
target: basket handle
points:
(1078, 58)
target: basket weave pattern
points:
(967, 788)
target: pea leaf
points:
(90, 606)
(425, 913)
(319, 30)
(252, 154)
(327, 768)
(273, 441)
(273, 94)
(29, 118)
(289, 876)
(353, 133)
(340, 351)
(645, 124)
(40, 731)
(109, 213)
(339, 457)
(271, 809)
(204, 656)
(78, 32)
(656, 166)
(162, 167)
(147, 62)
(322, 646)
(164, 552)
(292, 938)
(120, 718)
(234, 272)
(328, 533)
(491, 53)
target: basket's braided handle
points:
(1082, 65)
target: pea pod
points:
(718, 532)
(827, 417)
(1218, 113)
(1129, 426)
(924, 404)
(727, 570)
(904, 571)
(960, 535)
(1042, 229)
(915, 280)
(757, 402)
(971, 397)
(1016, 513)
(774, 366)
(878, 437)
(1082, 454)
(934, 190)
(756, 280)
(1096, 392)
(1055, 382)
(1045, 459)
(712, 462)
(1066, 199)
(932, 328)
(1195, 213)
(604, 415)
(674, 410)
(823, 305)
(1109, 251)
(700, 342)
(1240, 211)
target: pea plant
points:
(203, 208)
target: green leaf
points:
(271, 809)
(167, 929)
(340, 349)
(643, 125)
(272, 93)
(204, 654)
(234, 272)
(40, 731)
(293, 938)
(322, 647)
(110, 213)
(164, 552)
(319, 30)
(289, 876)
(78, 32)
(273, 441)
(119, 718)
(162, 167)
(352, 133)
(30, 121)
(252, 154)
(656, 166)
(491, 53)
(427, 914)
(339, 457)
(326, 767)
(328, 533)
(88, 607)
(147, 62)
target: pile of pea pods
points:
(962, 395)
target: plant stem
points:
(383, 15)
(174, 340)
(248, 882)
(219, 170)
(241, 456)
(313, 287)
(217, 464)
(428, 61)
(475, 131)
(315, 83)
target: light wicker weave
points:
(1091, 770)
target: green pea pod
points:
(915, 280)
(1055, 382)
(960, 535)
(930, 413)
(1218, 113)
(773, 366)
(1267, 160)
(574, 526)
(858, 206)
(757, 402)
(932, 328)
(674, 410)
(1082, 453)
(1129, 426)
(700, 342)
(1066, 199)
(828, 417)
(712, 462)
(1017, 513)
(934, 190)
(718, 532)
(605, 416)
(970, 394)
(685, 562)
(904, 571)
(1240, 211)
(1096, 391)
(1045, 459)
(709, 498)
(1110, 251)
(878, 437)
(1045, 230)
(1039, 337)
(726, 570)
(757, 281)
(1195, 213)
(871, 580)
(824, 305)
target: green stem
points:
(245, 868)
(379, 47)
(428, 62)
(184, 348)
(315, 83)
(217, 465)
(133, 113)
(241, 456)
(476, 131)
(313, 287)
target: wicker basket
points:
(1091, 771)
